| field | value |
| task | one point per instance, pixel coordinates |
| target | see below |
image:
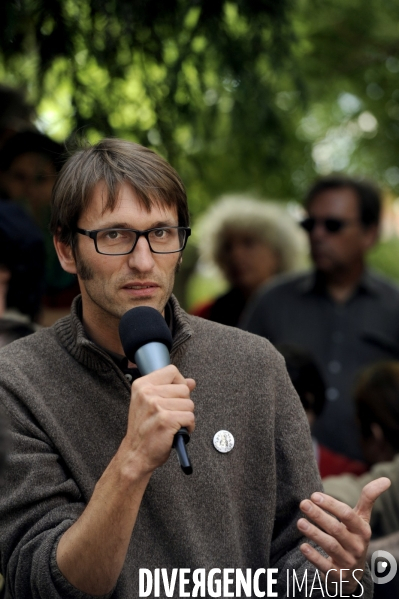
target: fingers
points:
(342, 532)
(161, 401)
(338, 532)
(174, 413)
(159, 392)
(166, 391)
(334, 572)
(191, 384)
(160, 405)
(344, 547)
(168, 422)
(355, 520)
(335, 527)
(165, 383)
(346, 551)
(320, 503)
(167, 375)
(312, 555)
(368, 496)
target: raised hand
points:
(344, 533)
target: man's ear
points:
(178, 263)
(65, 255)
(370, 236)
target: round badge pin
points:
(223, 441)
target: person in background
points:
(377, 407)
(16, 114)
(22, 267)
(22, 271)
(250, 241)
(309, 384)
(340, 311)
(29, 163)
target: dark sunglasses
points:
(332, 225)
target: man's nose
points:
(142, 257)
(238, 251)
(319, 231)
(29, 187)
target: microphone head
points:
(140, 326)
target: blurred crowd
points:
(336, 324)
(34, 290)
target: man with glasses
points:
(90, 497)
(344, 314)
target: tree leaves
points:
(251, 95)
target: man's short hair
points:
(16, 114)
(368, 194)
(31, 142)
(377, 400)
(305, 376)
(114, 162)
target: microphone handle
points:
(179, 443)
(148, 358)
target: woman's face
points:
(247, 262)
(30, 177)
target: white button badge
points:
(223, 441)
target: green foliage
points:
(349, 58)
(195, 80)
(240, 95)
(385, 258)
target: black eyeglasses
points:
(332, 225)
(118, 242)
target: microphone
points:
(147, 341)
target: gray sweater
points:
(67, 404)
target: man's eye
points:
(20, 177)
(160, 233)
(113, 234)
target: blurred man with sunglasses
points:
(344, 314)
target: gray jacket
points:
(67, 404)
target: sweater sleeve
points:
(39, 501)
(297, 478)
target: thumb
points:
(369, 494)
(191, 384)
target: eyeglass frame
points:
(343, 222)
(93, 235)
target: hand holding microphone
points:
(146, 341)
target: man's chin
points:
(150, 302)
(324, 264)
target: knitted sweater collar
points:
(72, 336)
